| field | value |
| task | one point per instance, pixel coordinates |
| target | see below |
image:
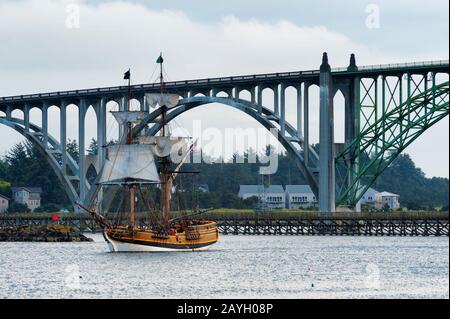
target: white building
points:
(300, 196)
(380, 199)
(370, 197)
(4, 203)
(30, 196)
(272, 196)
(389, 199)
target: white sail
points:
(132, 161)
(123, 117)
(163, 146)
(167, 100)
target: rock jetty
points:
(41, 233)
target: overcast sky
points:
(203, 38)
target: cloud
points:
(42, 54)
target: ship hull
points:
(145, 241)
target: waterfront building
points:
(30, 196)
(4, 203)
(388, 199)
(300, 196)
(370, 197)
(379, 200)
(272, 196)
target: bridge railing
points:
(391, 66)
(221, 80)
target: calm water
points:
(237, 267)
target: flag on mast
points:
(160, 59)
(126, 75)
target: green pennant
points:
(160, 59)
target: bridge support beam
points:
(101, 132)
(326, 155)
(283, 110)
(81, 148)
(45, 124)
(259, 98)
(299, 111)
(352, 120)
(306, 122)
(63, 136)
(26, 117)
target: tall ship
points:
(141, 172)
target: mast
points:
(129, 142)
(166, 163)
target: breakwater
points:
(290, 226)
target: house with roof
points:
(370, 197)
(380, 199)
(272, 196)
(30, 196)
(4, 203)
(388, 199)
(300, 196)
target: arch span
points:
(36, 137)
(267, 118)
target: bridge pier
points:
(81, 148)
(63, 136)
(352, 120)
(326, 156)
(306, 86)
(45, 124)
(283, 109)
(299, 111)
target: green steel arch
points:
(378, 144)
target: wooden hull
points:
(121, 239)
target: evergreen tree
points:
(93, 147)
(72, 149)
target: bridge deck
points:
(232, 81)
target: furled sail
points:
(123, 117)
(167, 100)
(133, 161)
(163, 146)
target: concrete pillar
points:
(123, 105)
(252, 95)
(237, 90)
(101, 132)
(214, 92)
(63, 135)
(26, 117)
(259, 99)
(81, 147)
(45, 123)
(299, 111)
(283, 109)
(276, 101)
(326, 164)
(306, 122)
(142, 106)
(8, 112)
(352, 113)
